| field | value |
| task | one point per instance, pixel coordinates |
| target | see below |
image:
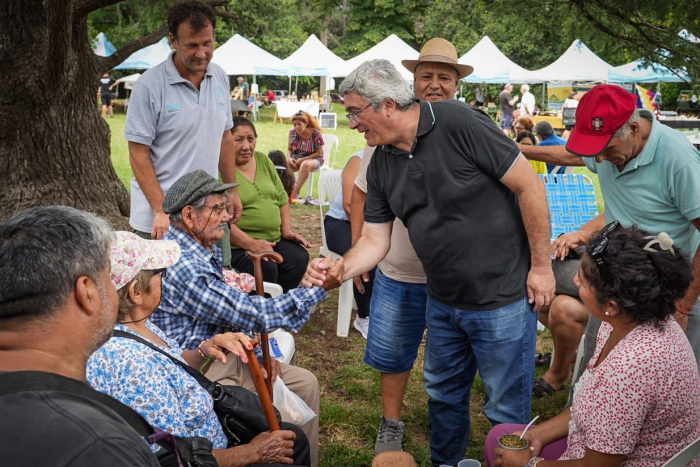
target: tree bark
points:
(54, 145)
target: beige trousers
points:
(300, 381)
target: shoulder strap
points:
(25, 381)
(201, 379)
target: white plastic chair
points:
(329, 186)
(683, 458)
(329, 141)
(285, 340)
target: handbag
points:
(565, 270)
(239, 411)
(178, 451)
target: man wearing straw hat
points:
(400, 295)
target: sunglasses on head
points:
(595, 250)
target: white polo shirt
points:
(182, 126)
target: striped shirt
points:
(305, 146)
(197, 303)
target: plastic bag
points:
(292, 407)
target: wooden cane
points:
(263, 394)
(260, 290)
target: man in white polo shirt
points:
(178, 121)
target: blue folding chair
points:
(572, 202)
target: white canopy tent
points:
(578, 63)
(148, 57)
(314, 52)
(393, 49)
(491, 65)
(239, 56)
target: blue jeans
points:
(500, 344)
(397, 324)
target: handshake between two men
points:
(324, 272)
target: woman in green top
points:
(266, 223)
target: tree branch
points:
(227, 14)
(84, 7)
(122, 54)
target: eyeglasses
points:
(160, 272)
(353, 116)
(219, 207)
(519, 128)
(595, 250)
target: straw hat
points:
(439, 51)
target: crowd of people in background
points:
(443, 225)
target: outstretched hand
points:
(324, 272)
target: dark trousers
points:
(301, 453)
(287, 274)
(339, 240)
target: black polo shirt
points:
(464, 224)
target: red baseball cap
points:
(601, 112)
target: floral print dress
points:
(155, 387)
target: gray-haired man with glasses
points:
(197, 303)
(477, 216)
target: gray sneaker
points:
(390, 437)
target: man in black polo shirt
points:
(57, 306)
(478, 219)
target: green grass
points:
(271, 136)
(350, 390)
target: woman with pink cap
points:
(156, 387)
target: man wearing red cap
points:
(649, 175)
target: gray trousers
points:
(692, 332)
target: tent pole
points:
(544, 88)
(296, 87)
(290, 85)
(255, 109)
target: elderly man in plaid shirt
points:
(197, 303)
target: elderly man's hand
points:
(540, 287)
(318, 272)
(161, 222)
(275, 447)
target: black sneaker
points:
(390, 437)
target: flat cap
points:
(190, 187)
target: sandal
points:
(543, 359)
(542, 388)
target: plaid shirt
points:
(197, 303)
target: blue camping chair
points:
(572, 202)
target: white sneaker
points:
(361, 324)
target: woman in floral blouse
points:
(638, 402)
(152, 384)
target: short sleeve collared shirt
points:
(659, 190)
(464, 224)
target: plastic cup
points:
(507, 441)
(469, 463)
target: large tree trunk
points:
(54, 145)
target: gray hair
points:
(526, 87)
(176, 217)
(43, 252)
(625, 130)
(378, 80)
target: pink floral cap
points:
(131, 254)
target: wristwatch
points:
(534, 461)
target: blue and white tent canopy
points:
(393, 49)
(635, 72)
(102, 47)
(491, 65)
(578, 63)
(147, 57)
